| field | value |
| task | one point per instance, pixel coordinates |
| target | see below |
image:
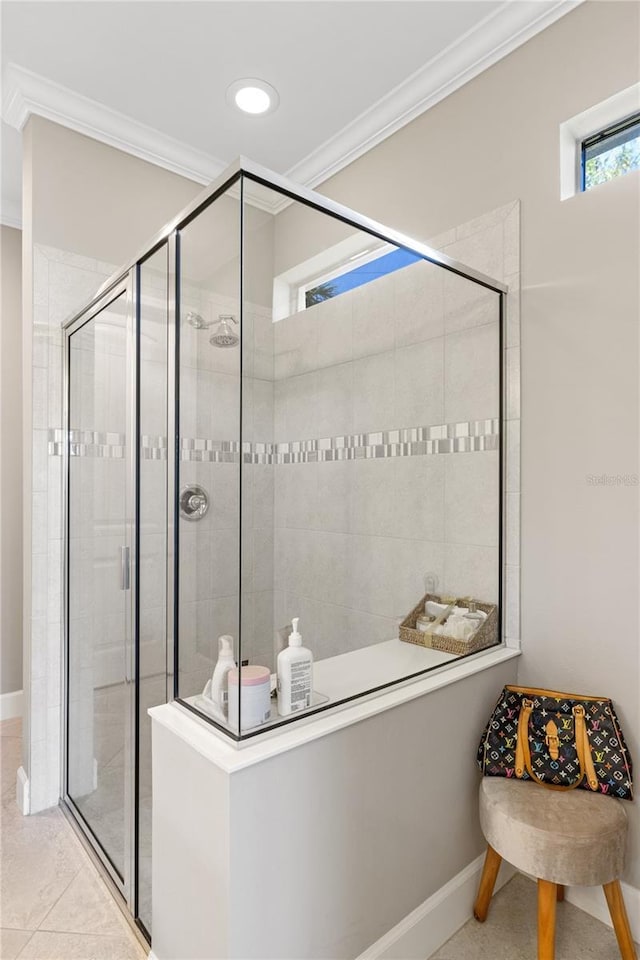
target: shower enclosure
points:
(281, 409)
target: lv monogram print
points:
(559, 740)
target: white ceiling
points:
(348, 73)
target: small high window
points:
(340, 280)
(611, 152)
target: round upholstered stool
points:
(563, 838)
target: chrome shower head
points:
(224, 335)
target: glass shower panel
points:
(210, 334)
(152, 544)
(98, 675)
(340, 453)
(373, 452)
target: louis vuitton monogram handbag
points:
(559, 740)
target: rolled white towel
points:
(459, 627)
(434, 609)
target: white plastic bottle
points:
(219, 690)
(295, 675)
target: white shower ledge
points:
(230, 756)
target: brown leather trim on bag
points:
(539, 692)
(522, 745)
(551, 740)
(582, 740)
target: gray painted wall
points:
(11, 461)
(391, 806)
(580, 307)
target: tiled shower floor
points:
(53, 903)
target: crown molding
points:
(511, 25)
(11, 214)
(27, 93)
(12, 222)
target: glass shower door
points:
(99, 649)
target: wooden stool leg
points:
(560, 893)
(615, 902)
(546, 920)
(490, 869)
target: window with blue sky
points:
(371, 270)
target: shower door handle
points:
(125, 579)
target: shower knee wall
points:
(369, 831)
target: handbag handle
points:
(583, 749)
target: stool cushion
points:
(573, 838)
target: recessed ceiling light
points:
(253, 96)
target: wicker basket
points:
(485, 636)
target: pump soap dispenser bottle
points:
(295, 675)
(219, 690)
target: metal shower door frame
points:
(125, 886)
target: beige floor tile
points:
(12, 942)
(10, 760)
(11, 728)
(48, 882)
(40, 858)
(510, 931)
(86, 906)
(75, 946)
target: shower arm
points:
(196, 321)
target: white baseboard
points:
(23, 798)
(11, 705)
(592, 901)
(429, 926)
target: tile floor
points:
(53, 903)
(509, 932)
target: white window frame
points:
(584, 125)
(290, 287)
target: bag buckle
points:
(552, 740)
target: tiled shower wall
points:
(96, 532)
(491, 243)
(61, 283)
(411, 355)
(210, 410)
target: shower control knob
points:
(194, 502)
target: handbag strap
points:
(583, 749)
(589, 769)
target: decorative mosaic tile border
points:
(470, 436)
(381, 451)
(153, 447)
(464, 437)
(88, 443)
